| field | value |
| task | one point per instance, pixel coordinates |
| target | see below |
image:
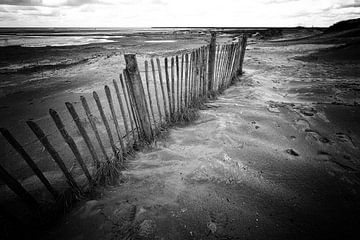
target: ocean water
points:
(32, 49)
(50, 41)
(55, 37)
(32, 53)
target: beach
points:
(35, 78)
(275, 157)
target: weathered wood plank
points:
(54, 154)
(71, 143)
(83, 133)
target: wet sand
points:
(275, 157)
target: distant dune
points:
(344, 25)
(345, 34)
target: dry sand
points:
(275, 157)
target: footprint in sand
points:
(316, 136)
(292, 152)
(344, 138)
(256, 126)
(323, 156)
(302, 123)
(343, 164)
(307, 111)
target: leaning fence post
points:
(16, 145)
(243, 47)
(211, 61)
(83, 133)
(139, 97)
(93, 126)
(121, 105)
(106, 124)
(156, 90)
(54, 154)
(115, 120)
(70, 141)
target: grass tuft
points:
(109, 172)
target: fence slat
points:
(182, 83)
(148, 92)
(121, 105)
(221, 62)
(156, 90)
(186, 79)
(106, 124)
(173, 86)
(211, 62)
(243, 47)
(83, 133)
(54, 154)
(168, 87)
(71, 143)
(93, 126)
(162, 89)
(114, 117)
(17, 146)
(177, 83)
(126, 96)
(134, 112)
(115, 120)
(191, 91)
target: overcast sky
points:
(146, 13)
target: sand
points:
(29, 93)
(275, 157)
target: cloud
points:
(159, 2)
(147, 13)
(48, 2)
(279, 1)
(354, 5)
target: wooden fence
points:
(140, 103)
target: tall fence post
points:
(136, 87)
(211, 61)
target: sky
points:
(176, 13)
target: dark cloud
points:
(21, 2)
(40, 2)
(354, 5)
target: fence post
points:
(54, 154)
(83, 133)
(211, 61)
(243, 47)
(139, 95)
(93, 126)
(70, 141)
